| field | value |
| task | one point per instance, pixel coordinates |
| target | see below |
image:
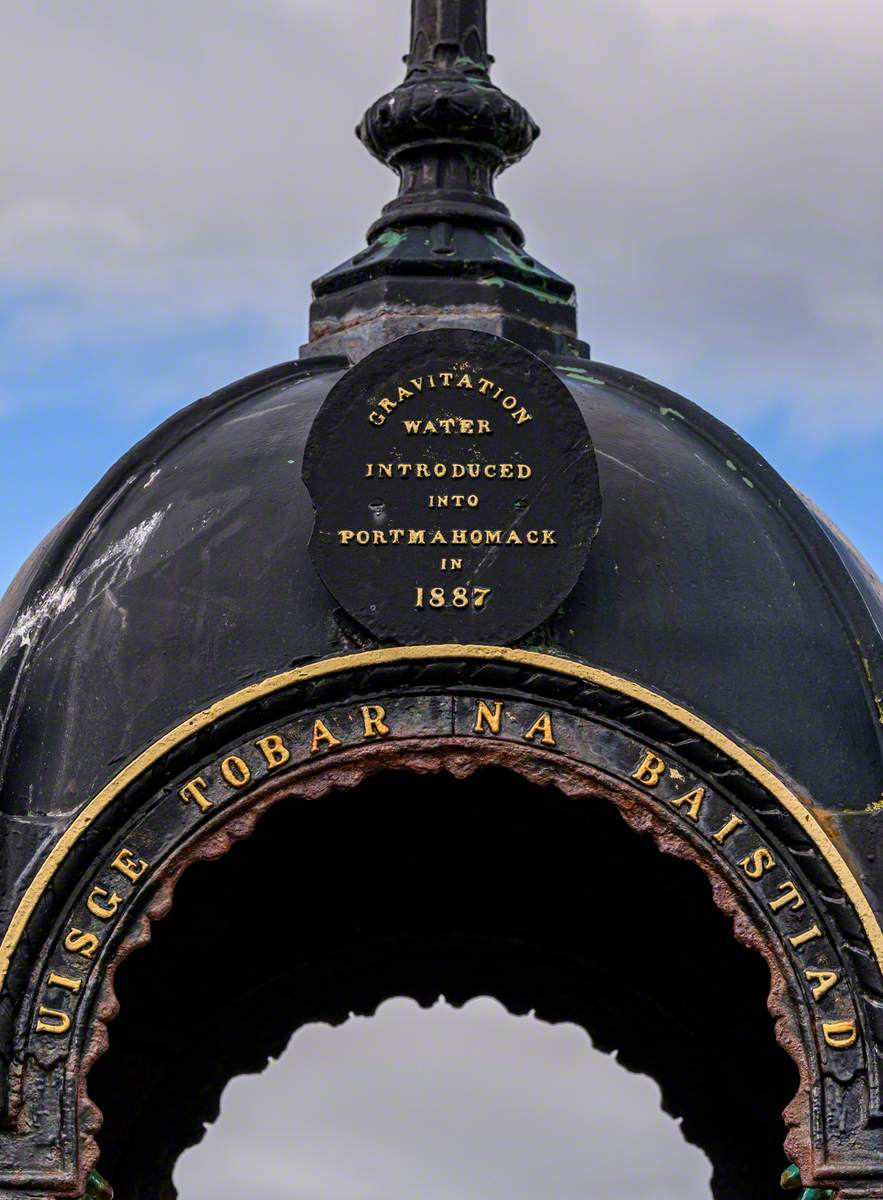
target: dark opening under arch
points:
(425, 885)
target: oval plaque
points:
(455, 489)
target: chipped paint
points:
(874, 807)
(119, 557)
(523, 261)
(744, 478)
(538, 293)
(391, 238)
(671, 412)
(878, 700)
(583, 376)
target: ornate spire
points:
(445, 250)
(447, 130)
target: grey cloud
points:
(444, 1104)
(709, 173)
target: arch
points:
(371, 659)
(552, 722)
(550, 977)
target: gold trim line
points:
(372, 658)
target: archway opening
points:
(422, 886)
(470, 1102)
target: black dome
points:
(185, 576)
(714, 672)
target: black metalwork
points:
(446, 250)
(447, 130)
(174, 634)
(482, 551)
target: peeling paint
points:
(744, 478)
(391, 238)
(498, 281)
(120, 557)
(583, 376)
(875, 806)
(522, 261)
(878, 700)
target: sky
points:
(175, 172)
(443, 1104)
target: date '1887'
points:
(458, 597)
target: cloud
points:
(442, 1103)
(709, 174)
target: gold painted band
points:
(402, 654)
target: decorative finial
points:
(447, 130)
(445, 251)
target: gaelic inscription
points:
(455, 489)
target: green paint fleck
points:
(583, 376)
(524, 261)
(671, 412)
(391, 238)
(498, 281)
(745, 478)
(97, 1187)
(791, 1181)
(291, 462)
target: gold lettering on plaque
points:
(449, 379)
(729, 826)
(321, 733)
(824, 981)
(808, 935)
(543, 726)
(81, 943)
(104, 913)
(192, 791)
(126, 863)
(274, 750)
(52, 1020)
(236, 771)
(373, 718)
(790, 896)
(758, 863)
(62, 981)
(650, 770)
(691, 803)
(484, 718)
(840, 1035)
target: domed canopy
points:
(721, 644)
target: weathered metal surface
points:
(678, 788)
(445, 248)
(456, 490)
(791, 1182)
(720, 625)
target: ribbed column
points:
(444, 32)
